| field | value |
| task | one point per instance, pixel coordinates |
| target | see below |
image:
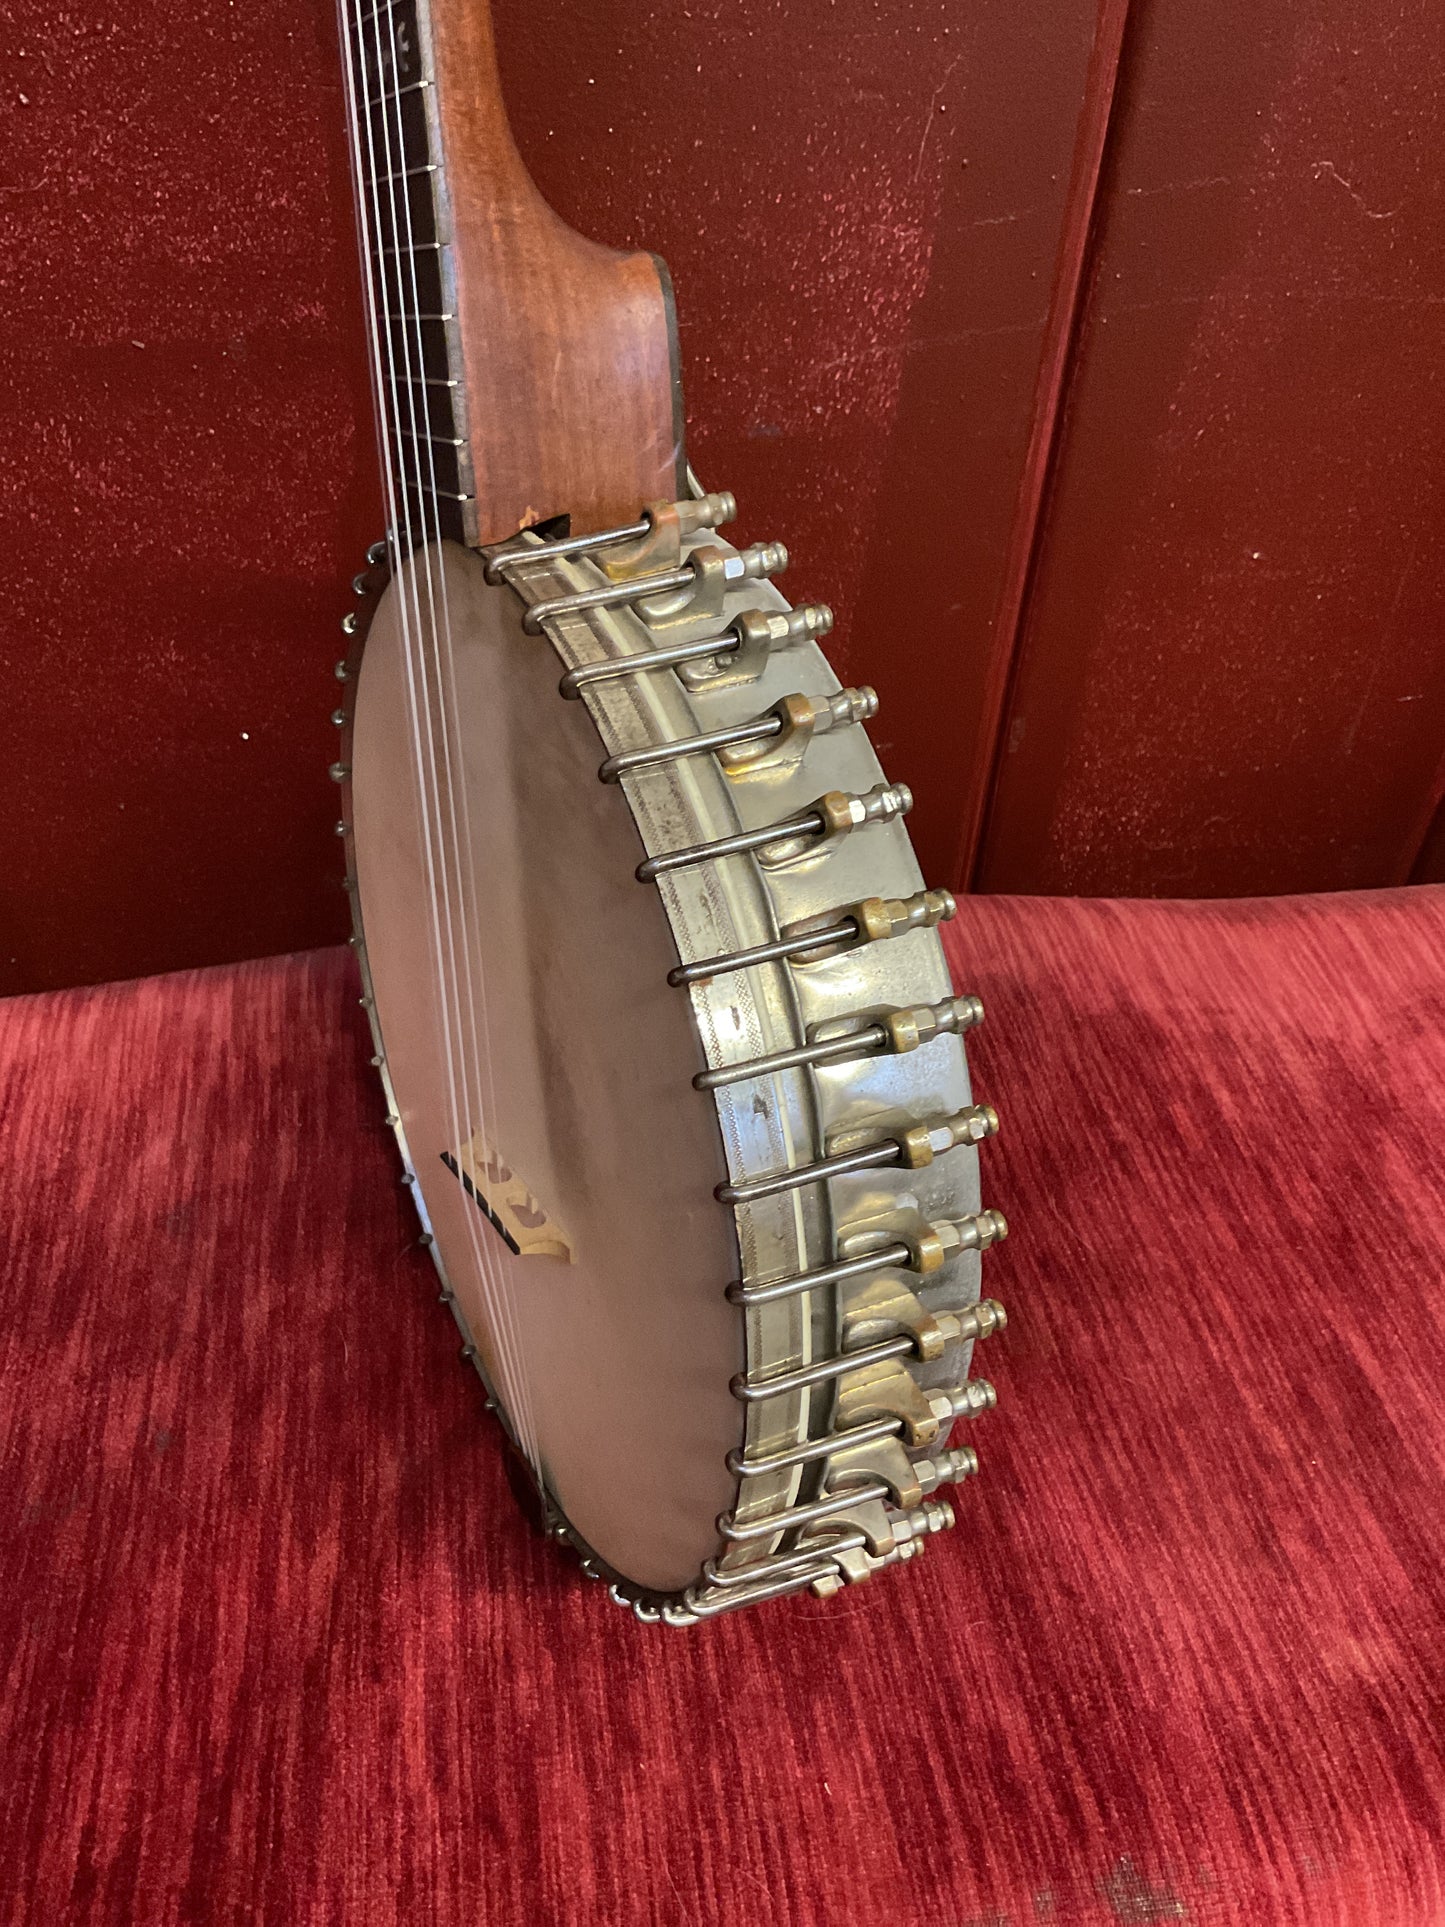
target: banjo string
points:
(432, 722)
(408, 601)
(472, 1015)
(419, 699)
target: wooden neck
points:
(522, 372)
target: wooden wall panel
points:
(860, 203)
(1181, 535)
(1230, 674)
(862, 206)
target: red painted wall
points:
(872, 213)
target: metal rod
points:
(917, 1145)
(870, 1158)
(857, 1043)
(802, 1281)
(743, 1467)
(809, 823)
(751, 1390)
(803, 1515)
(498, 565)
(611, 595)
(754, 1595)
(583, 677)
(761, 953)
(780, 1563)
(617, 767)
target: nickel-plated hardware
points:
(378, 553)
(947, 1468)
(750, 639)
(339, 772)
(696, 586)
(709, 512)
(860, 1479)
(561, 550)
(751, 635)
(801, 1515)
(743, 1467)
(893, 1032)
(668, 525)
(792, 722)
(934, 1515)
(833, 815)
(699, 1606)
(913, 1148)
(343, 670)
(872, 921)
(925, 1254)
(338, 719)
(980, 1320)
(586, 674)
(360, 585)
(775, 1568)
(349, 623)
(968, 1400)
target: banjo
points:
(664, 1024)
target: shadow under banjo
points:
(672, 1056)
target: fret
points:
(437, 441)
(397, 93)
(409, 281)
(416, 350)
(431, 462)
(404, 174)
(441, 494)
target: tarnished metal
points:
(817, 938)
(833, 1027)
(893, 1030)
(782, 734)
(917, 1145)
(796, 837)
(924, 1253)
(696, 587)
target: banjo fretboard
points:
(405, 236)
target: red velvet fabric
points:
(275, 1648)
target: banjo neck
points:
(522, 372)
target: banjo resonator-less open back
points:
(666, 1030)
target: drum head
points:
(541, 1067)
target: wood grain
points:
(569, 354)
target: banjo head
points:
(672, 1387)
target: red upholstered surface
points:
(274, 1648)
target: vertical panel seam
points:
(1078, 247)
